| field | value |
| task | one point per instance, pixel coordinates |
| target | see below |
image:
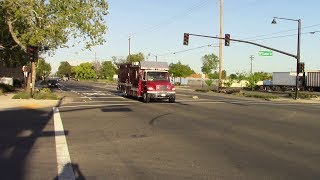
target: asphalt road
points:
(209, 137)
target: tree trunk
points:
(33, 65)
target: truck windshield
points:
(157, 76)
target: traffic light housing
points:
(33, 53)
(227, 39)
(301, 67)
(186, 39)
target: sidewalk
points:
(7, 103)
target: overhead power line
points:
(173, 18)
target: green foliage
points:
(263, 76)
(108, 70)
(22, 95)
(45, 90)
(180, 70)
(210, 62)
(214, 75)
(258, 95)
(252, 81)
(241, 76)
(135, 57)
(6, 88)
(43, 69)
(64, 69)
(45, 95)
(228, 83)
(233, 76)
(52, 22)
(85, 71)
(209, 82)
(303, 95)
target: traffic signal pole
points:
(220, 43)
(248, 42)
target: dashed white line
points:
(65, 170)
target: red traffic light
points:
(227, 39)
(186, 39)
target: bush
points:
(6, 88)
(22, 95)
(45, 95)
(209, 82)
(45, 90)
(303, 95)
(1, 92)
(258, 95)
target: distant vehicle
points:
(147, 80)
(53, 83)
(284, 81)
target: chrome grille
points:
(162, 88)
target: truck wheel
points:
(146, 97)
(172, 99)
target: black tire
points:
(172, 99)
(146, 98)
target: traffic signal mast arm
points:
(248, 42)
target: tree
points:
(51, 23)
(43, 69)
(108, 70)
(210, 62)
(214, 75)
(180, 70)
(85, 71)
(64, 69)
(97, 67)
(263, 76)
(118, 60)
(135, 57)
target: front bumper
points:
(161, 94)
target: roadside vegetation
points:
(303, 95)
(4, 88)
(44, 94)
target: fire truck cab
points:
(146, 80)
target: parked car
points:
(52, 83)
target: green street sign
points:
(265, 53)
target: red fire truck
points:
(147, 80)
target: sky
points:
(157, 27)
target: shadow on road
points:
(76, 170)
(18, 132)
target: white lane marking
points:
(90, 99)
(65, 170)
(93, 105)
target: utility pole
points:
(251, 59)
(220, 42)
(129, 45)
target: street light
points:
(298, 49)
(154, 56)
